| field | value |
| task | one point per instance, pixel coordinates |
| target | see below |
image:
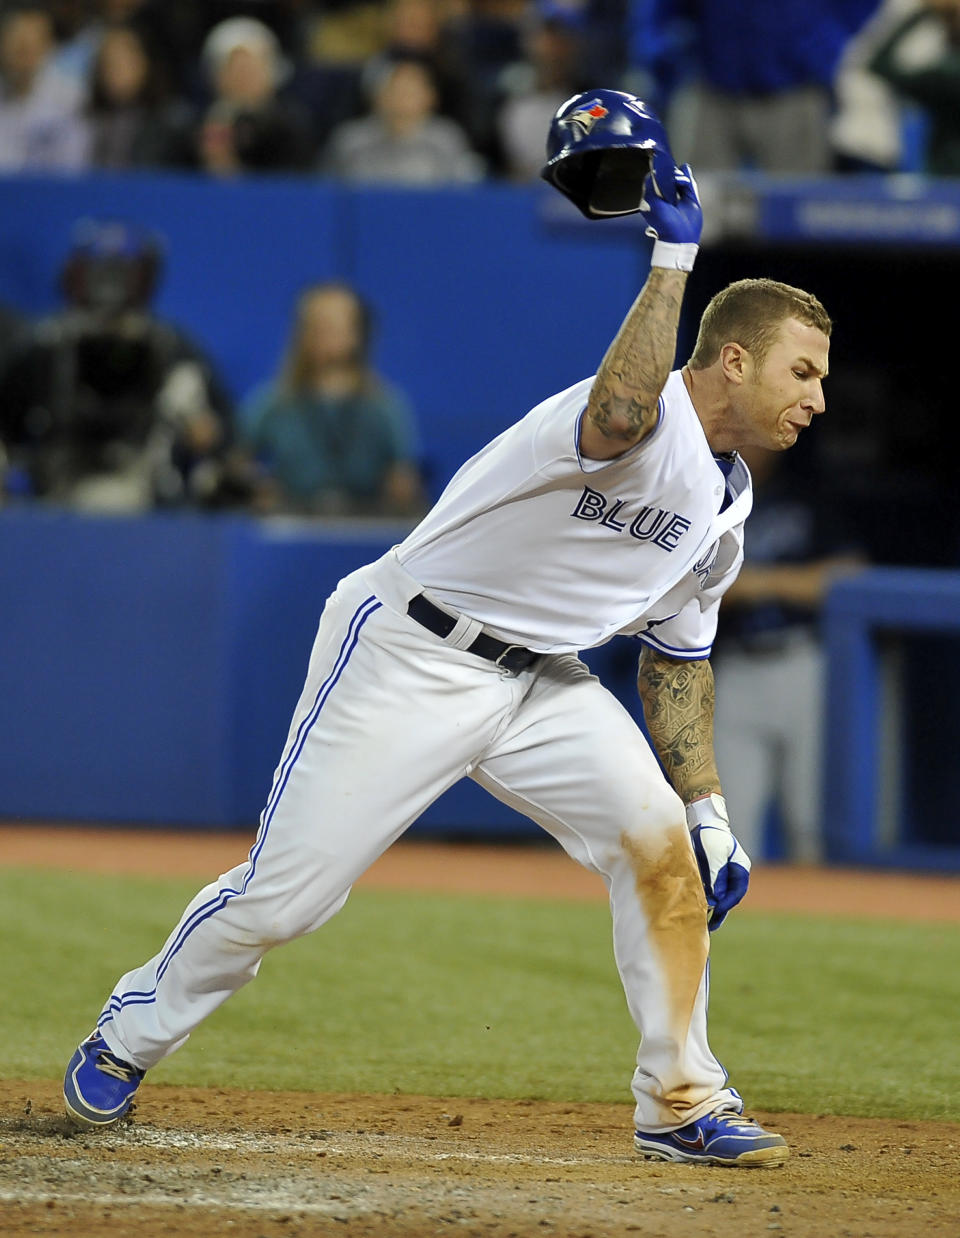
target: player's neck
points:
(709, 403)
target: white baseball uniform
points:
(540, 548)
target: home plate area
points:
(193, 1161)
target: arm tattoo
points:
(678, 702)
(623, 402)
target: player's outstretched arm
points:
(622, 408)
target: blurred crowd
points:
(102, 404)
(806, 87)
(107, 406)
(441, 91)
(420, 91)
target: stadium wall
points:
(150, 666)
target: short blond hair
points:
(750, 312)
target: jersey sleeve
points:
(686, 636)
(588, 465)
(690, 633)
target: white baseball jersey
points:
(638, 545)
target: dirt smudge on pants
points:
(669, 887)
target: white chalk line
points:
(379, 1145)
(269, 1202)
(297, 1188)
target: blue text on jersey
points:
(650, 524)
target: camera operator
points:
(104, 406)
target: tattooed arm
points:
(622, 408)
(677, 702)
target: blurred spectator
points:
(40, 127)
(105, 406)
(248, 127)
(173, 30)
(760, 79)
(129, 121)
(333, 436)
(402, 140)
(76, 32)
(768, 660)
(604, 32)
(485, 38)
(344, 32)
(415, 30)
(921, 61)
(867, 130)
(78, 28)
(339, 40)
(536, 86)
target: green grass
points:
(498, 997)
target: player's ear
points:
(734, 361)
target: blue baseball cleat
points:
(721, 1138)
(98, 1086)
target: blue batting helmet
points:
(601, 147)
(112, 265)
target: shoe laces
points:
(107, 1064)
(722, 1115)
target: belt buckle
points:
(499, 660)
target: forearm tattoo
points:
(623, 403)
(678, 699)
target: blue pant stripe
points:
(360, 616)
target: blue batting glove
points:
(672, 206)
(724, 865)
(663, 171)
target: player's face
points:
(782, 395)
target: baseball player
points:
(613, 507)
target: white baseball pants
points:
(390, 717)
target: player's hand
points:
(671, 206)
(724, 865)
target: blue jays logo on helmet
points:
(601, 146)
(587, 117)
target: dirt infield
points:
(255, 1164)
(260, 1165)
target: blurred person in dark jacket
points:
(249, 126)
(173, 30)
(105, 406)
(130, 120)
(484, 38)
(920, 59)
(534, 88)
